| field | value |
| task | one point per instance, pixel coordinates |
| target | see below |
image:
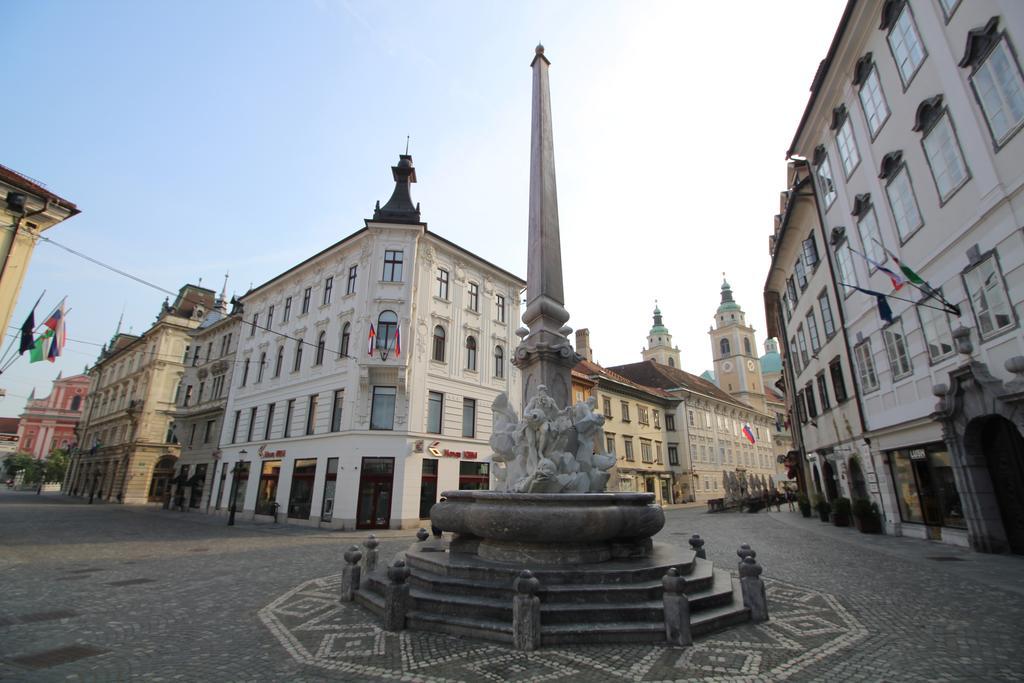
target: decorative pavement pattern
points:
(806, 627)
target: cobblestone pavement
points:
(102, 592)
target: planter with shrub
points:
(841, 511)
(823, 509)
(805, 505)
(866, 516)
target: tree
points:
(56, 465)
(23, 462)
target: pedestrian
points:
(778, 500)
(789, 499)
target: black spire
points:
(400, 208)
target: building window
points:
(609, 443)
(670, 422)
(311, 414)
(350, 284)
(328, 288)
(825, 184)
(945, 159)
(812, 331)
(627, 442)
(991, 306)
(499, 362)
(896, 349)
(442, 283)
(938, 336)
(270, 323)
(252, 333)
(872, 99)
(288, 413)
(252, 424)
(428, 487)
(245, 376)
(306, 294)
(802, 340)
(321, 345)
(657, 419)
(801, 407)
(435, 410)
(234, 427)
(387, 330)
(998, 85)
(438, 344)
(810, 252)
(791, 290)
(645, 451)
(801, 274)
(641, 413)
(259, 370)
(279, 362)
(346, 335)
(870, 237)
(948, 7)
(827, 321)
(625, 411)
(823, 392)
(470, 353)
(270, 422)
(904, 204)
(812, 407)
(835, 369)
(382, 410)
(866, 366)
(392, 265)
(287, 310)
(723, 346)
(474, 297)
(336, 406)
(474, 476)
(846, 271)
(499, 307)
(847, 144)
(673, 453)
(297, 363)
(469, 417)
(904, 41)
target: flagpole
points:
(3, 358)
(900, 298)
(928, 290)
(14, 359)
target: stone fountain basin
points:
(549, 518)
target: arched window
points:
(298, 356)
(279, 362)
(439, 344)
(724, 346)
(346, 333)
(470, 353)
(671, 362)
(321, 344)
(76, 403)
(499, 362)
(245, 374)
(746, 346)
(263, 364)
(387, 326)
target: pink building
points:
(50, 422)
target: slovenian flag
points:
(398, 341)
(56, 323)
(369, 342)
(749, 433)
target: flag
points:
(41, 348)
(897, 281)
(398, 341)
(56, 323)
(884, 311)
(370, 340)
(749, 433)
(911, 275)
(27, 328)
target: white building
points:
(346, 428)
(912, 131)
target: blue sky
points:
(201, 138)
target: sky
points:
(243, 136)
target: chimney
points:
(583, 343)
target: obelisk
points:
(544, 356)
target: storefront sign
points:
(264, 453)
(433, 449)
(918, 454)
(447, 453)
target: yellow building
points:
(28, 210)
(127, 445)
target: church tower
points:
(737, 366)
(659, 343)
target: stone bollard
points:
(369, 562)
(677, 609)
(350, 574)
(525, 612)
(744, 552)
(422, 535)
(754, 596)
(396, 597)
(697, 544)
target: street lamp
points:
(234, 486)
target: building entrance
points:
(162, 475)
(301, 497)
(1004, 454)
(376, 480)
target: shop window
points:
(428, 487)
(474, 476)
(300, 499)
(267, 492)
(925, 487)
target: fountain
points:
(550, 556)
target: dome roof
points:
(771, 362)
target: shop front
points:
(376, 483)
(925, 488)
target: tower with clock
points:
(737, 368)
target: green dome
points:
(658, 327)
(727, 301)
(771, 362)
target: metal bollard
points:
(525, 612)
(677, 609)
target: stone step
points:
(480, 629)
(717, 618)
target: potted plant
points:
(823, 508)
(866, 517)
(841, 511)
(805, 504)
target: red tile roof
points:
(12, 177)
(591, 369)
(652, 374)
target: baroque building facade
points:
(911, 138)
(51, 422)
(127, 446)
(364, 377)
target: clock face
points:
(750, 365)
(727, 366)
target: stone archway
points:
(1001, 445)
(858, 485)
(160, 483)
(828, 473)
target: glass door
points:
(330, 486)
